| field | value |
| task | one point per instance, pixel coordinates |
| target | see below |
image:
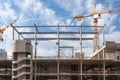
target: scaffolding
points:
(59, 68)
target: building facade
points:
(22, 60)
(22, 67)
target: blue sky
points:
(52, 12)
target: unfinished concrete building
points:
(23, 66)
(22, 60)
(111, 49)
(48, 69)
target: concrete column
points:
(58, 67)
(81, 68)
(103, 70)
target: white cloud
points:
(109, 18)
(74, 7)
(88, 52)
(111, 29)
(6, 12)
(46, 52)
(113, 36)
(100, 7)
(90, 6)
(68, 22)
(34, 10)
(24, 5)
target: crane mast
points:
(96, 36)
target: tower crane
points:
(2, 29)
(96, 16)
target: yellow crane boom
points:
(98, 13)
(2, 29)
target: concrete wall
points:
(115, 56)
(20, 46)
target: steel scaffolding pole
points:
(73, 39)
(103, 41)
(73, 53)
(36, 30)
(13, 34)
(16, 31)
(55, 26)
(81, 51)
(58, 63)
(81, 42)
(62, 32)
